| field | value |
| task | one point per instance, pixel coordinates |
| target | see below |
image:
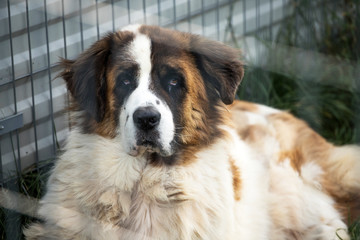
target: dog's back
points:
(289, 141)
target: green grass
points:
(30, 183)
(354, 230)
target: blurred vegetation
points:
(325, 27)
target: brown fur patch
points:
(295, 157)
(254, 133)
(236, 179)
(298, 141)
(293, 234)
(196, 129)
(347, 203)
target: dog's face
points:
(156, 90)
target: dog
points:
(159, 149)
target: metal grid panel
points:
(38, 32)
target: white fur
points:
(254, 118)
(206, 205)
(265, 110)
(252, 220)
(296, 204)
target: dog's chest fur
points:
(136, 200)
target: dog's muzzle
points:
(147, 120)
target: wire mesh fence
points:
(38, 33)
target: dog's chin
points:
(144, 150)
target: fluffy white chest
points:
(136, 200)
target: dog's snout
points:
(146, 118)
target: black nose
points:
(146, 118)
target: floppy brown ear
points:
(219, 65)
(86, 78)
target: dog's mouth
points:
(148, 144)
(148, 148)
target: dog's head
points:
(156, 90)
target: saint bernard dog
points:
(160, 150)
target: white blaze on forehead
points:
(140, 51)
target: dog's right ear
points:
(86, 78)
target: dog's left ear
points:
(218, 64)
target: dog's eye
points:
(173, 82)
(126, 77)
(126, 82)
